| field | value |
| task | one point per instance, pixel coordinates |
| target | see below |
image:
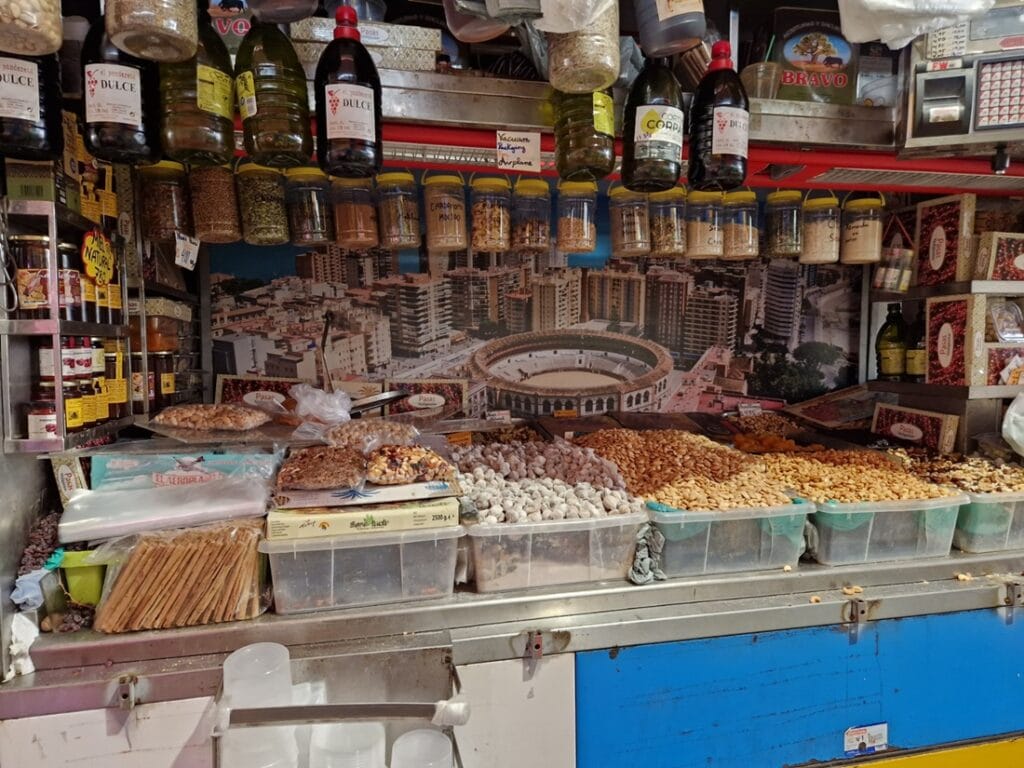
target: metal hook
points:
(8, 284)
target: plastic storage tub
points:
(874, 531)
(345, 571)
(747, 539)
(517, 555)
(990, 522)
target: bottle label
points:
(102, 296)
(33, 288)
(45, 357)
(245, 84)
(102, 399)
(166, 383)
(114, 297)
(19, 89)
(42, 426)
(669, 9)
(917, 362)
(891, 361)
(658, 134)
(89, 291)
(117, 390)
(99, 363)
(113, 94)
(68, 363)
(215, 91)
(69, 287)
(73, 412)
(89, 408)
(604, 114)
(350, 112)
(731, 131)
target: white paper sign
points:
(518, 151)
(186, 250)
(866, 739)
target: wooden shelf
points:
(920, 292)
(940, 390)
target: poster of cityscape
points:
(540, 334)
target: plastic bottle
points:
(30, 119)
(653, 130)
(669, 27)
(719, 126)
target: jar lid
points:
(254, 168)
(705, 197)
(619, 193)
(863, 203)
(784, 196)
(166, 165)
(29, 238)
(491, 184)
(352, 183)
(817, 203)
(532, 187)
(578, 187)
(305, 172)
(396, 177)
(676, 193)
(442, 179)
(741, 196)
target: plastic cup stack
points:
(424, 748)
(347, 745)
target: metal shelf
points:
(64, 214)
(72, 441)
(941, 390)
(919, 292)
(156, 289)
(61, 327)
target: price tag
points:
(749, 409)
(518, 151)
(502, 416)
(98, 257)
(866, 739)
(186, 250)
(460, 438)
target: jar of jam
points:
(31, 274)
(41, 417)
(117, 384)
(73, 417)
(69, 281)
(161, 366)
(99, 381)
(45, 362)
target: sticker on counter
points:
(866, 739)
(519, 151)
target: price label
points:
(567, 413)
(460, 438)
(186, 250)
(502, 416)
(98, 257)
(518, 151)
(749, 409)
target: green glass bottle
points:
(584, 134)
(891, 345)
(652, 130)
(917, 351)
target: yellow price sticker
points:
(98, 257)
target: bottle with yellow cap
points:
(531, 216)
(577, 216)
(308, 197)
(261, 204)
(784, 223)
(355, 214)
(444, 198)
(165, 208)
(491, 198)
(398, 206)
(630, 222)
(862, 230)
(704, 237)
(741, 235)
(668, 223)
(821, 230)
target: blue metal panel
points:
(784, 698)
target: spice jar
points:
(261, 205)
(531, 216)
(164, 201)
(355, 215)
(308, 193)
(668, 223)
(741, 236)
(31, 274)
(587, 60)
(862, 230)
(30, 27)
(630, 223)
(74, 420)
(398, 209)
(41, 413)
(783, 226)
(214, 204)
(445, 203)
(577, 216)
(492, 213)
(821, 230)
(158, 30)
(704, 237)
(584, 135)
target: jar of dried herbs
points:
(398, 210)
(355, 215)
(630, 222)
(577, 216)
(214, 204)
(586, 60)
(308, 194)
(668, 223)
(261, 205)
(165, 208)
(531, 218)
(445, 201)
(492, 214)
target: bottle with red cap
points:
(348, 107)
(719, 126)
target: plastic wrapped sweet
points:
(322, 467)
(226, 416)
(365, 435)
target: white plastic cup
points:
(424, 748)
(270, 747)
(347, 745)
(258, 675)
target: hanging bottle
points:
(653, 130)
(348, 107)
(272, 99)
(719, 126)
(30, 118)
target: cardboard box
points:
(943, 237)
(1004, 364)
(926, 428)
(1000, 256)
(956, 340)
(373, 518)
(818, 64)
(368, 494)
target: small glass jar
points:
(704, 237)
(41, 413)
(821, 230)
(587, 60)
(261, 205)
(577, 216)
(214, 204)
(398, 210)
(668, 223)
(308, 195)
(31, 274)
(783, 225)
(445, 201)
(630, 223)
(165, 208)
(491, 201)
(117, 384)
(862, 230)
(143, 386)
(69, 282)
(355, 214)
(74, 418)
(531, 216)
(741, 236)
(158, 30)
(162, 366)
(30, 28)
(584, 134)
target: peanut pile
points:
(975, 475)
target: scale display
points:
(1000, 89)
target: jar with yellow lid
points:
(821, 230)
(630, 223)
(308, 197)
(862, 230)
(784, 223)
(398, 210)
(531, 216)
(577, 216)
(704, 237)
(445, 200)
(491, 198)
(261, 204)
(214, 204)
(741, 235)
(355, 214)
(165, 208)
(668, 223)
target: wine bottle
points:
(653, 130)
(348, 103)
(917, 351)
(891, 345)
(719, 126)
(30, 115)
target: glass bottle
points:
(668, 28)
(398, 204)
(916, 366)
(891, 345)
(30, 254)
(784, 228)
(862, 230)
(704, 236)
(741, 236)
(584, 135)
(30, 109)
(719, 125)
(821, 230)
(308, 195)
(652, 131)
(164, 198)
(157, 30)
(587, 60)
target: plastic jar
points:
(587, 60)
(158, 30)
(665, 30)
(630, 222)
(741, 236)
(282, 11)
(584, 135)
(783, 224)
(862, 231)
(491, 201)
(821, 230)
(308, 195)
(531, 216)
(355, 215)
(668, 223)
(214, 204)
(261, 205)
(165, 208)
(704, 237)
(30, 27)
(445, 201)
(398, 210)
(577, 216)
(469, 28)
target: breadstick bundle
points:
(184, 578)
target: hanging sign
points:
(518, 151)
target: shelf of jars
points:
(921, 292)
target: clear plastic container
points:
(668, 223)
(165, 208)
(214, 204)
(783, 223)
(398, 210)
(820, 231)
(588, 60)
(282, 11)
(862, 231)
(584, 134)
(531, 216)
(664, 30)
(355, 214)
(30, 28)
(753, 539)
(990, 522)
(444, 198)
(469, 28)
(308, 196)
(158, 30)
(347, 745)
(518, 555)
(491, 203)
(741, 238)
(630, 223)
(704, 236)
(261, 205)
(422, 748)
(884, 530)
(343, 571)
(577, 216)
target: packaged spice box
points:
(945, 227)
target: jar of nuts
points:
(862, 230)
(704, 237)
(165, 208)
(577, 216)
(445, 201)
(531, 227)
(308, 195)
(784, 223)
(668, 223)
(157, 30)
(740, 232)
(30, 27)
(261, 205)
(398, 210)
(214, 204)
(630, 223)
(355, 214)
(492, 213)
(586, 60)
(821, 230)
